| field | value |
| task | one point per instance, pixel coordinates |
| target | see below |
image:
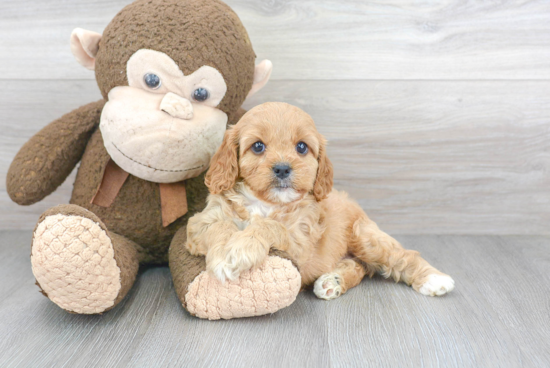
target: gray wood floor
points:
(498, 316)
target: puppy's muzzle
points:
(282, 171)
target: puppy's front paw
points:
(328, 286)
(437, 285)
(224, 270)
(217, 264)
(240, 254)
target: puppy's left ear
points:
(224, 166)
(323, 183)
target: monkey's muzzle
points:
(163, 138)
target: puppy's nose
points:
(282, 171)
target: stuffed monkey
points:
(173, 75)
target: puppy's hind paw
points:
(437, 285)
(328, 286)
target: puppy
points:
(271, 186)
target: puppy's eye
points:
(152, 80)
(201, 94)
(258, 147)
(301, 147)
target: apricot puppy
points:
(271, 186)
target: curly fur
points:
(324, 231)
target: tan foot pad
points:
(73, 261)
(264, 290)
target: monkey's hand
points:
(45, 161)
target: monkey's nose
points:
(177, 106)
(282, 171)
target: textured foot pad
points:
(73, 261)
(264, 290)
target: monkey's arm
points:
(45, 161)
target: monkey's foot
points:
(73, 261)
(256, 292)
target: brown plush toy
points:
(173, 74)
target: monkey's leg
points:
(348, 273)
(78, 264)
(384, 254)
(272, 286)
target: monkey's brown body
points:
(138, 200)
(85, 256)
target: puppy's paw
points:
(437, 285)
(328, 286)
(222, 271)
(240, 254)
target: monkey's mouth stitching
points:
(154, 168)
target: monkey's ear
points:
(262, 72)
(84, 45)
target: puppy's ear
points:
(224, 166)
(323, 183)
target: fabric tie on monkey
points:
(173, 75)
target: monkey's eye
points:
(301, 147)
(258, 147)
(152, 80)
(201, 94)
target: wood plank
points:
(497, 316)
(318, 39)
(436, 157)
(420, 157)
